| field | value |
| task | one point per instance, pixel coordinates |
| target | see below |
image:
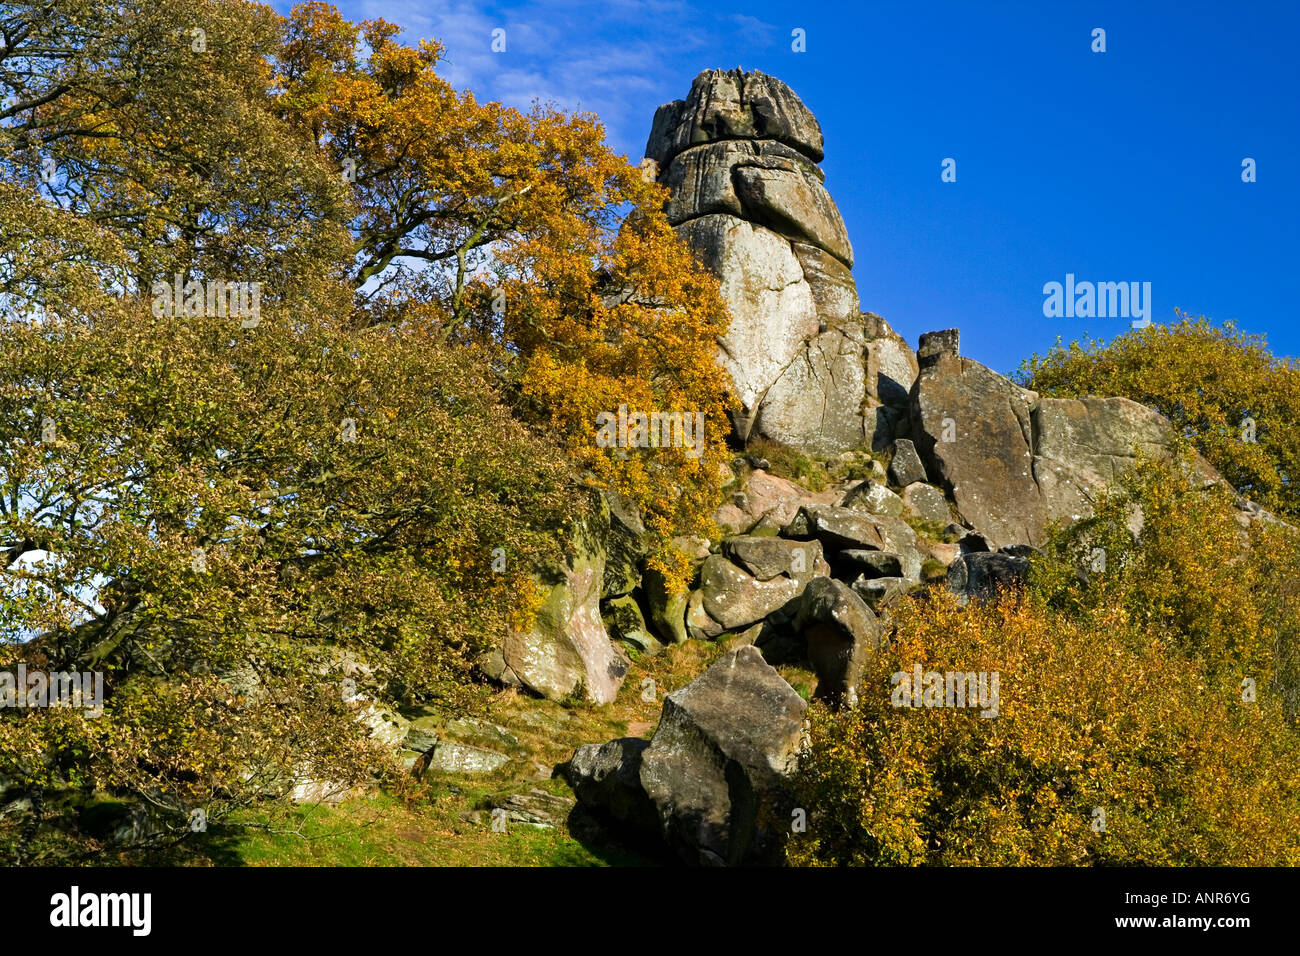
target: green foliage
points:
(1211, 382)
(790, 463)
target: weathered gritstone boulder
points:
(839, 630)
(873, 498)
(891, 364)
(606, 778)
(739, 157)
(765, 495)
(448, 756)
(1014, 462)
(880, 593)
(700, 626)
(718, 766)
(767, 557)
(567, 649)
(972, 429)
(905, 468)
(842, 529)
(792, 199)
(735, 599)
(1082, 445)
(836, 527)
(870, 564)
(981, 575)
(927, 503)
(933, 345)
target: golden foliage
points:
(1120, 691)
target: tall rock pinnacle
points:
(740, 156)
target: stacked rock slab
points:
(740, 156)
(1015, 463)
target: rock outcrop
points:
(966, 474)
(713, 779)
(567, 650)
(1013, 462)
(740, 156)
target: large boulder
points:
(567, 650)
(718, 767)
(837, 528)
(736, 599)
(1082, 445)
(839, 631)
(840, 529)
(972, 429)
(792, 199)
(927, 503)
(1014, 463)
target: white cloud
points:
(618, 59)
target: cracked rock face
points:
(739, 156)
(1013, 462)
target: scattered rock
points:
(448, 756)
(766, 557)
(874, 499)
(926, 502)
(905, 467)
(533, 807)
(871, 564)
(607, 779)
(625, 622)
(981, 575)
(880, 593)
(717, 769)
(735, 599)
(839, 630)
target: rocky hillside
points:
(941, 473)
(866, 472)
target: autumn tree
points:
(525, 231)
(227, 512)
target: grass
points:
(423, 823)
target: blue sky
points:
(1115, 166)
